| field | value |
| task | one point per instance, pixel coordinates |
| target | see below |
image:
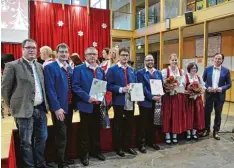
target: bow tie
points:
(217, 68)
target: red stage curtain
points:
(15, 49)
(44, 29)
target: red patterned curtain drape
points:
(78, 29)
(15, 49)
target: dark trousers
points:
(122, 128)
(33, 135)
(62, 131)
(90, 132)
(213, 100)
(146, 128)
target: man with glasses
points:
(88, 106)
(146, 130)
(58, 76)
(24, 92)
(119, 77)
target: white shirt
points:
(195, 78)
(48, 61)
(174, 73)
(61, 65)
(91, 67)
(124, 67)
(38, 99)
(215, 77)
(147, 70)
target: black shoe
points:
(131, 151)
(120, 153)
(174, 141)
(69, 161)
(63, 165)
(216, 135)
(206, 133)
(155, 146)
(85, 160)
(142, 149)
(100, 156)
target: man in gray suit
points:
(24, 92)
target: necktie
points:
(93, 71)
(126, 75)
(69, 87)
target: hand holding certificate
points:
(98, 89)
(136, 92)
(156, 87)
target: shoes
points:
(100, 156)
(188, 137)
(168, 141)
(216, 135)
(63, 165)
(155, 146)
(195, 137)
(120, 152)
(142, 149)
(131, 151)
(69, 161)
(206, 133)
(85, 160)
(174, 140)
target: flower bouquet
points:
(171, 83)
(194, 89)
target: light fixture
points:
(168, 23)
(139, 47)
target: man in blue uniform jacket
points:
(146, 131)
(118, 78)
(217, 81)
(58, 88)
(88, 106)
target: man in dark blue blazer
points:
(58, 76)
(217, 81)
(146, 131)
(88, 106)
(118, 78)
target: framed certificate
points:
(98, 89)
(156, 87)
(136, 92)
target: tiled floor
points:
(8, 124)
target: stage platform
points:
(8, 126)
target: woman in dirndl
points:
(173, 109)
(195, 117)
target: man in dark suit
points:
(24, 92)
(119, 77)
(146, 130)
(88, 106)
(58, 76)
(217, 81)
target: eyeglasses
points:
(124, 55)
(149, 60)
(63, 52)
(30, 48)
(89, 54)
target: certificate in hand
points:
(136, 91)
(156, 87)
(98, 89)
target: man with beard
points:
(217, 81)
(146, 130)
(58, 88)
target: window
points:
(60, 1)
(101, 4)
(80, 2)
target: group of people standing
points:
(31, 90)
